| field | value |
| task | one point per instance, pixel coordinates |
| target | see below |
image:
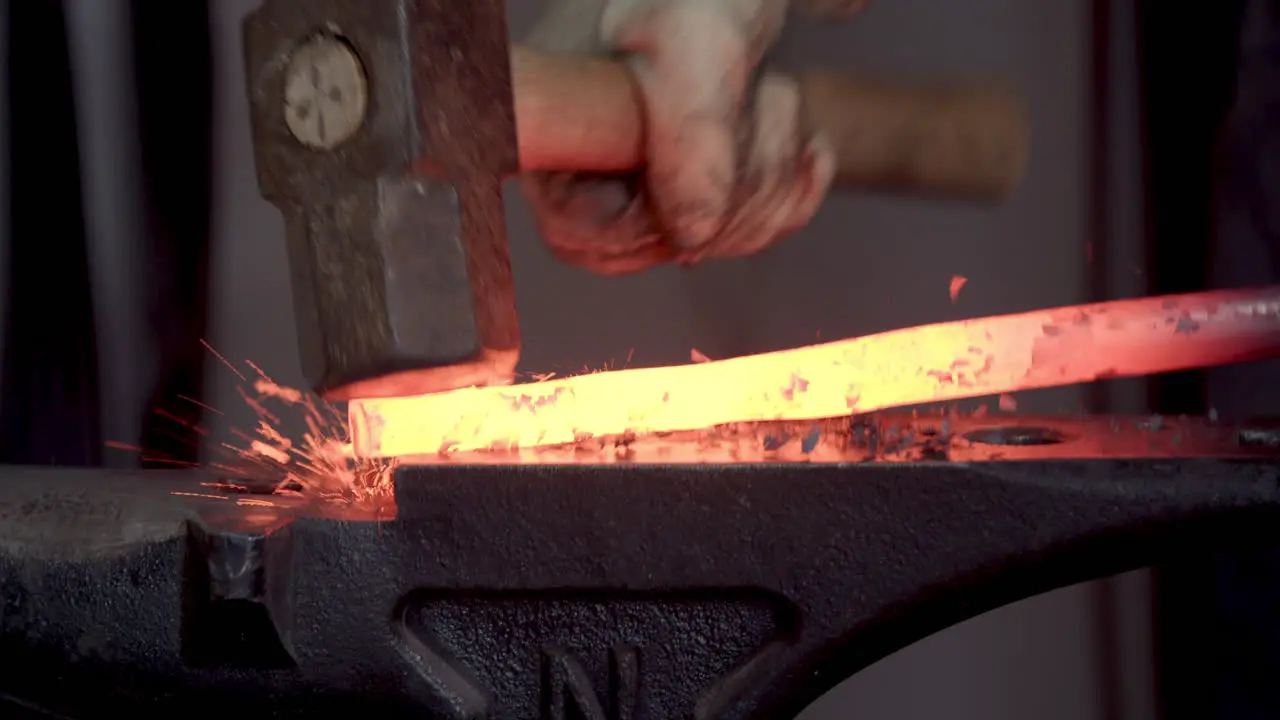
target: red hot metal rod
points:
(929, 363)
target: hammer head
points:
(383, 130)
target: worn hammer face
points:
(382, 131)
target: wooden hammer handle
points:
(958, 142)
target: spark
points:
(226, 486)
(205, 496)
(180, 421)
(218, 355)
(197, 403)
(318, 465)
(169, 461)
(957, 282)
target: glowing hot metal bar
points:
(947, 361)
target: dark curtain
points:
(1188, 77)
(173, 64)
(50, 404)
(1217, 623)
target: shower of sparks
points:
(319, 465)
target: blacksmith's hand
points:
(730, 169)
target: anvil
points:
(629, 590)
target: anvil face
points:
(636, 589)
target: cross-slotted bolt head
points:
(326, 94)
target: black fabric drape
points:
(50, 401)
(174, 77)
(49, 406)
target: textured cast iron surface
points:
(397, 246)
(716, 591)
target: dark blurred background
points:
(133, 230)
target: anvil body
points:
(633, 590)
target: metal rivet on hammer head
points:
(326, 93)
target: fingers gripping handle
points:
(952, 141)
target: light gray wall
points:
(865, 264)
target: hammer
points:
(383, 131)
